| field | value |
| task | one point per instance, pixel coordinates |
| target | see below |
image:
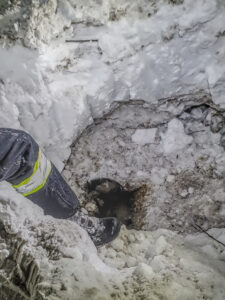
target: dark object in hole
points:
(112, 199)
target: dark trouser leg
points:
(24, 165)
(56, 197)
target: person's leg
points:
(24, 165)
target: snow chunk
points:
(158, 175)
(161, 245)
(131, 261)
(144, 136)
(175, 138)
(117, 244)
(158, 263)
(3, 254)
(145, 271)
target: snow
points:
(137, 54)
(54, 89)
(165, 263)
(175, 138)
(144, 136)
(158, 175)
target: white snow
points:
(54, 89)
(142, 58)
(175, 138)
(144, 136)
(166, 264)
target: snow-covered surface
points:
(54, 88)
(55, 259)
(54, 92)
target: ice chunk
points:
(158, 175)
(175, 138)
(144, 136)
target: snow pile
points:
(45, 258)
(174, 49)
(65, 63)
(166, 266)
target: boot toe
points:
(111, 231)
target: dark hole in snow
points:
(112, 200)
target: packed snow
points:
(55, 259)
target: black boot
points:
(100, 230)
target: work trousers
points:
(24, 165)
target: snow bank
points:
(54, 85)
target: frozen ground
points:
(64, 66)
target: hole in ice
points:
(112, 200)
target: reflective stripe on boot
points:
(38, 178)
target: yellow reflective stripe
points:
(42, 184)
(37, 180)
(36, 166)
